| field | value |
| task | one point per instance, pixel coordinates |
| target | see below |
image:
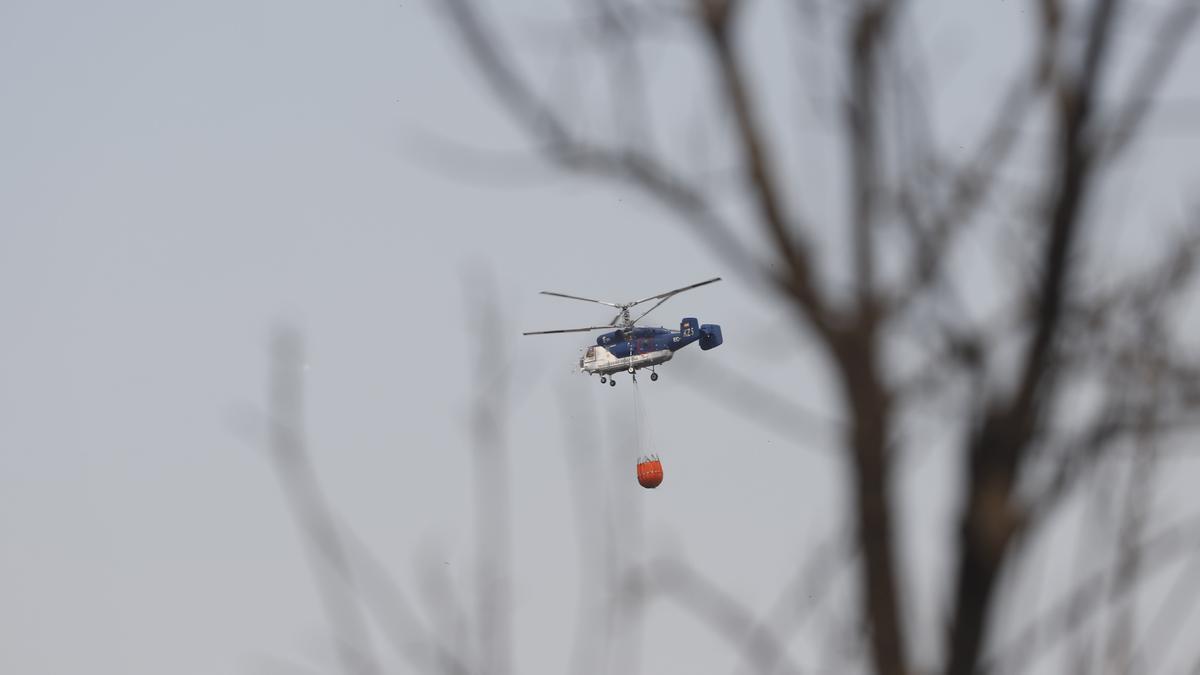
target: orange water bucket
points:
(650, 472)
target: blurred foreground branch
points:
(1006, 388)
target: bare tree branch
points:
(1170, 619)
(306, 501)
(1169, 40)
(802, 596)
(868, 33)
(1084, 600)
(989, 520)
(1010, 433)
(719, 17)
(493, 610)
(397, 620)
(723, 614)
(856, 353)
(626, 165)
(1121, 633)
(935, 233)
(743, 395)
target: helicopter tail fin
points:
(689, 332)
(710, 336)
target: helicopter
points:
(631, 347)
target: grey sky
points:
(176, 177)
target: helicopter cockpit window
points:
(591, 352)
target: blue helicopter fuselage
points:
(643, 347)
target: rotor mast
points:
(626, 322)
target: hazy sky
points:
(176, 178)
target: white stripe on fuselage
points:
(604, 363)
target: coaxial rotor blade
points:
(664, 296)
(567, 330)
(576, 297)
(652, 308)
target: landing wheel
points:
(654, 377)
(612, 383)
(603, 379)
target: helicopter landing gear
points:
(603, 379)
(653, 377)
(612, 382)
